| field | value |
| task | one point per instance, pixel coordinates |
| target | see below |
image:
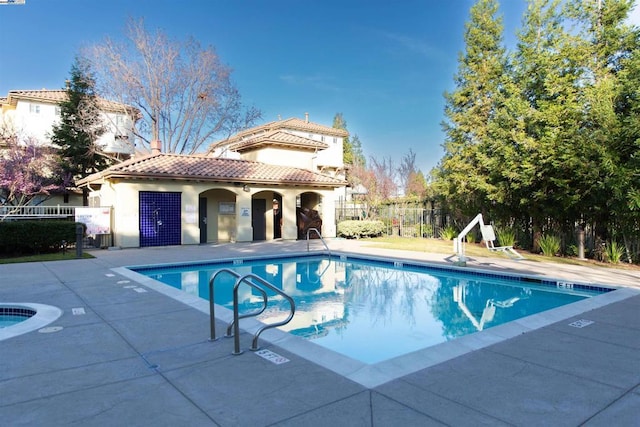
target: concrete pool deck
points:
(124, 354)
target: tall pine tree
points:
(79, 128)
(469, 110)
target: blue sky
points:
(384, 65)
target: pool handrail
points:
(212, 316)
(257, 312)
(236, 316)
(321, 239)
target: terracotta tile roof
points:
(56, 97)
(281, 138)
(213, 169)
(291, 123)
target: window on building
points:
(58, 111)
(34, 108)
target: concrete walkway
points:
(122, 353)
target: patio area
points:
(126, 354)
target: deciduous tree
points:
(28, 173)
(184, 92)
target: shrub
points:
(33, 237)
(550, 244)
(614, 252)
(448, 232)
(471, 238)
(351, 229)
(506, 236)
(425, 230)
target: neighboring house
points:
(32, 114)
(247, 188)
(290, 142)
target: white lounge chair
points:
(489, 236)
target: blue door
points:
(160, 221)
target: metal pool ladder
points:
(258, 283)
(321, 239)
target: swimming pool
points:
(20, 318)
(10, 316)
(374, 310)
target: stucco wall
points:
(282, 157)
(124, 198)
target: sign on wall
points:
(227, 208)
(97, 220)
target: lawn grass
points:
(479, 250)
(57, 256)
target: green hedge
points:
(34, 237)
(357, 229)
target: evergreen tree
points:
(470, 109)
(339, 122)
(79, 128)
(610, 52)
(547, 72)
(357, 154)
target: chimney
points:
(156, 146)
(306, 117)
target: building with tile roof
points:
(288, 142)
(32, 114)
(260, 184)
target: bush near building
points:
(35, 237)
(351, 229)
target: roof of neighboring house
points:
(279, 138)
(291, 124)
(57, 96)
(212, 169)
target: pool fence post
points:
(79, 235)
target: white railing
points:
(25, 212)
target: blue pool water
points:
(10, 316)
(374, 310)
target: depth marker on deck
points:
(272, 357)
(581, 323)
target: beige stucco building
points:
(258, 185)
(31, 114)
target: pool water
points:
(7, 320)
(374, 310)
(10, 316)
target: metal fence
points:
(36, 212)
(399, 221)
(20, 213)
